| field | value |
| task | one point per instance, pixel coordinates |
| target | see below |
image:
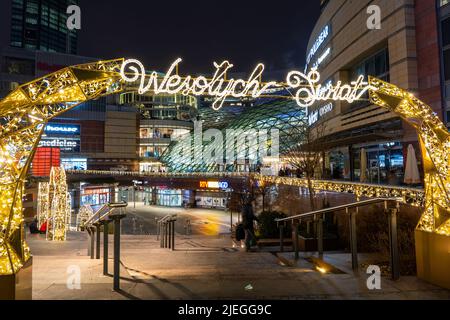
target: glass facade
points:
(376, 65)
(95, 196)
(384, 163)
(41, 25)
(167, 132)
(279, 115)
(163, 118)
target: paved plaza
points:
(204, 267)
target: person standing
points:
(248, 217)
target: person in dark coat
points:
(248, 217)
(33, 226)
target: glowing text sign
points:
(57, 128)
(318, 43)
(214, 184)
(307, 87)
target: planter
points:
(433, 258)
(17, 286)
(310, 244)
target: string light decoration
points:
(84, 214)
(60, 209)
(411, 196)
(307, 87)
(27, 109)
(434, 140)
(23, 115)
(43, 203)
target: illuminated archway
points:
(27, 109)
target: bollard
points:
(97, 247)
(89, 241)
(320, 235)
(295, 238)
(116, 263)
(393, 245)
(161, 236)
(170, 234)
(105, 247)
(173, 235)
(91, 233)
(116, 254)
(166, 234)
(353, 242)
(282, 237)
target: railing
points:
(411, 196)
(165, 231)
(111, 212)
(160, 174)
(317, 216)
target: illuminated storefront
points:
(95, 195)
(64, 136)
(44, 159)
(74, 163)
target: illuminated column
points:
(43, 203)
(83, 215)
(60, 205)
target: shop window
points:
(377, 66)
(447, 64)
(446, 32)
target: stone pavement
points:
(205, 268)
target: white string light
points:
(221, 88)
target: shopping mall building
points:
(411, 49)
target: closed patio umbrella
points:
(363, 176)
(412, 175)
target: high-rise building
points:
(42, 25)
(444, 23)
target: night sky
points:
(156, 32)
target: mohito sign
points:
(306, 86)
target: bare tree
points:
(306, 155)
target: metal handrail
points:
(91, 218)
(166, 218)
(318, 220)
(356, 204)
(104, 216)
(99, 217)
(165, 231)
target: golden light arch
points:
(26, 110)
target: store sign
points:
(318, 43)
(314, 116)
(308, 89)
(66, 145)
(74, 163)
(214, 184)
(57, 128)
(322, 58)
